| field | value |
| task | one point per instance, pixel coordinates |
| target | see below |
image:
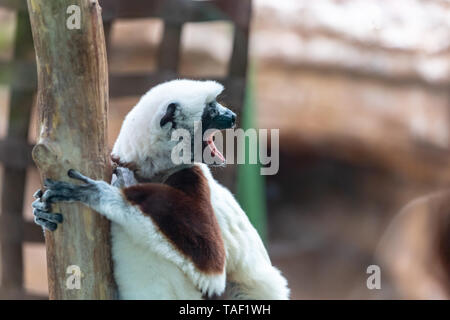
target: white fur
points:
(147, 266)
(248, 265)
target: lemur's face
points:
(145, 139)
(201, 120)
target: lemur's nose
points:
(224, 119)
(230, 117)
(233, 118)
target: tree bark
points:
(73, 103)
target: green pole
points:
(251, 184)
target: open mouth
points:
(216, 118)
(215, 153)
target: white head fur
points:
(142, 141)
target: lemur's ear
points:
(169, 116)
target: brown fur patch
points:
(182, 210)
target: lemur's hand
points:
(123, 177)
(59, 191)
(42, 213)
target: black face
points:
(214, 117)
(217, 117)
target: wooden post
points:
(73, 103)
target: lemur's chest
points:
(142, 274)
(182, 212)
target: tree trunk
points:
(73, 103)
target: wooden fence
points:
(20, 75)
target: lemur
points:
(176, 232)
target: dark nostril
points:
(233, 118)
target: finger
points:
(74, 174)
(48, 183)
(48, 196)
(52, 217)
(45, 224)
(37, 194)
(119, 174)
(43, 206)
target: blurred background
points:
(359, 90)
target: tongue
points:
(214, 151)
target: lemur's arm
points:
(122, 177)
(159, 216)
